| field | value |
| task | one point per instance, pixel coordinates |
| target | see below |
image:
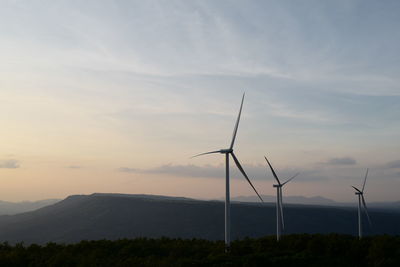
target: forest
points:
(291, 250)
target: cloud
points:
(125, 169)
(9, 164)
(256, 172)
(341, 161)
(189, 170)
(74, 167)
(393, 164)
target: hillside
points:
(114, 216)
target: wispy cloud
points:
(189, 170)
(281, 110)
(9, 164)
(128, 170)
(393, 164)
(341, 161)
(258, 172)
(74, 167)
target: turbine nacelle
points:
(361, 205)
(226, 151)
(279, 206)
(358, 191)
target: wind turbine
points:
(227, 152)
(360, 194)
(280, 224)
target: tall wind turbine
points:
(360, 194)
(227, 152)
(280, 224)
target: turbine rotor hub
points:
(226, 151)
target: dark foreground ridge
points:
(116, 216)
(292, 250)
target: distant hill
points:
(10, 208)
(114, 216)
(318, 200)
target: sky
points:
(116, 96)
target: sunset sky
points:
(116, 96)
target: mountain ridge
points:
(110, 216)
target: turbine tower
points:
(280, 224)
(361, 201)
(229, 152)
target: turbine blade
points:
(281, 208)
(356, 189)
(365, 209)
(290, 179)
(211, 152)
(237, 124)
(245, 175)
(273, 172)
(365, 180)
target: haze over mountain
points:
(10, 208)
(317, 200)
(115, 216)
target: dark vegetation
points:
(292, 250)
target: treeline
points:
(292, 250)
